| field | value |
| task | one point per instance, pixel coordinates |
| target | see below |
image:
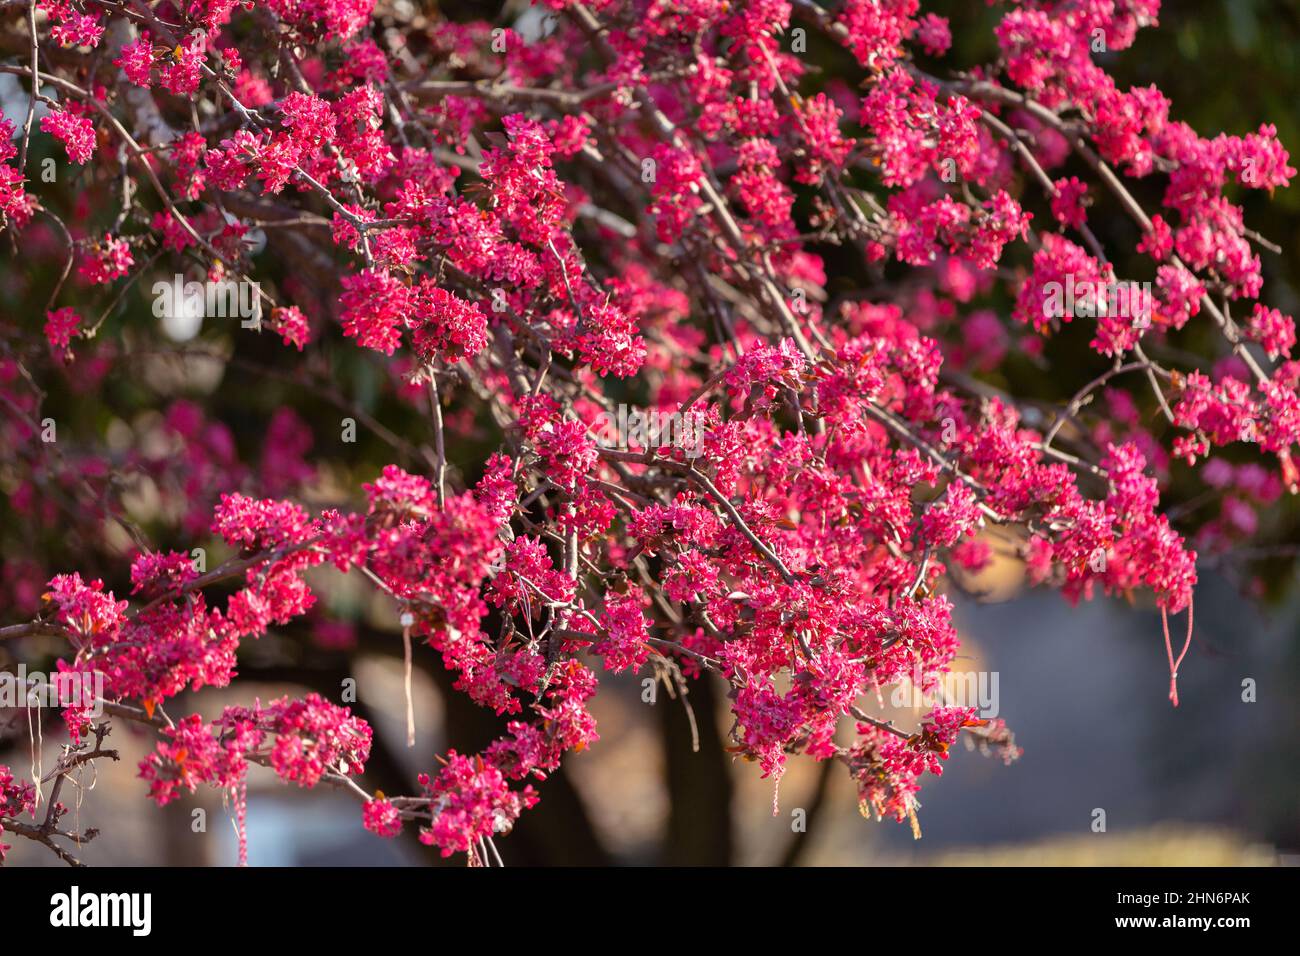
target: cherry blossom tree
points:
(533, 234)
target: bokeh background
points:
(1213, 782)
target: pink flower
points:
(1158, 242)
(60, 327)
(136, 60)
(259, 524)
(15, 205)
(1180, 294)
(16, 797)
(85, 609)
(315, 737)
(252, 89)
(375, 308)
(155, 573)
(291, 325)
(626, 629)
(676, 174)
(819, 124)
(447, 327)
(1068, 203)
(75, 132)
(470, 801)
(182, 69)
(608, 340)
(109, 259)
(338, 19)
(380, 817)
(1273, 330)
(955, 516)
(934, 34)
(78, 29)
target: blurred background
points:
(1084, 688)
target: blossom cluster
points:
(17, 796)
(535, 230)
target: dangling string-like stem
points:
(240, 792)
(1169, 650)
(407, 621)
(37, 740)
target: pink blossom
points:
(110, 258)
(61, 326)
(136, 60)
(1068, 203)
(75, 132)
(381, 818)
(1273, 330)
(375, 308)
